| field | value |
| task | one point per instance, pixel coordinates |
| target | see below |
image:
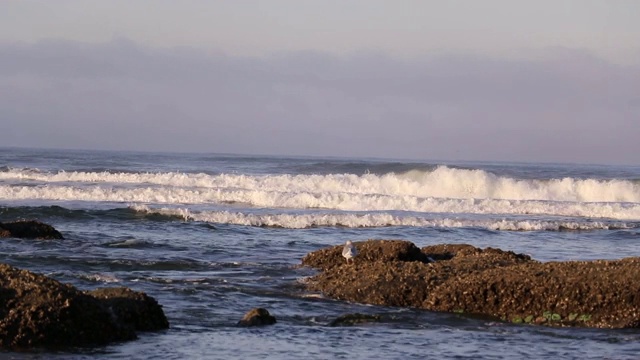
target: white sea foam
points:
(302, 221)
(442, 182)
(343, 201)
(442, 190)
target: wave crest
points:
(350, 220)
(440, 190)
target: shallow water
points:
(195, 232)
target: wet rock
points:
(368, 251)
(257, 317)
(29, 229)
(577, 293)
(354, 319)
(37, 311)
(489, 282)
(133, 308)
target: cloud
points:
(567, 106)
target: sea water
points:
(211, 236)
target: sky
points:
(492, 80)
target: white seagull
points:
(349, 251)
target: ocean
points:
(211, 236)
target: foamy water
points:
(443, 182)
(302, 221)
(442, 190)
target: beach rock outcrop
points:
(29, 229)
(133, 308)
(490, 282)
(257, 317)
(37, 311)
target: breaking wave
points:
(350, 220)
(441, 182)
(439, 190)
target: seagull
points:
(349, 251)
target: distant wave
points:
(328, 200)
(310, 220)
(358, 167)
(302, 221)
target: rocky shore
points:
(488, 282)
(39, 312)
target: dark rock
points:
(37, 311)
(354, 319)
(488, 282)
(133, 308)
(448, 251)
(257, 317)
(368, 251)
(599, 293)
(29, 229)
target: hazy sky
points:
(452, 80)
